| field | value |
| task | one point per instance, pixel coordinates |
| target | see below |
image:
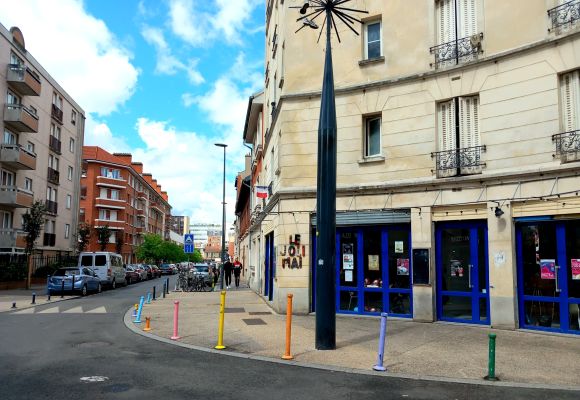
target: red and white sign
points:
(262, 192)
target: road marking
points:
(93, 379)
(75, 310)
(25, 311)
(52, 310)
(100, 310)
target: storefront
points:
(462, 272)
(548, 262)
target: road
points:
(84, 351)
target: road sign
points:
(188, 246)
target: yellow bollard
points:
(220, 344)
(287, 355)
(147, 324)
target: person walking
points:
(237, 272)
(216, 275)
(228, 273)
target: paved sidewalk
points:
(23, 298)
(420, 349)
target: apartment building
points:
(180, 224)
(43, 133)
(118, 194)
(457, 173)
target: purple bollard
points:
(379, 366)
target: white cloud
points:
(97, 133)
(90, 64)
(167, 63)
(200, 27)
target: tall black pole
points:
(223, 225)
(326, 208)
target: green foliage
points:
(13, 272)
(32, 223)
(155, 249)
(196, 257)
(84, 236)
(103, 235)
(119, 242)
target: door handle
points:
(557, 274)
(469, 275)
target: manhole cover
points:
(234, 310)
(260, 313)
(254, 321)
(93, 379)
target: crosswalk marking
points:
(25, 311)
(75, 310)
(57, 310)
(52, 310)
(100, 310)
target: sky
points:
(161, 79)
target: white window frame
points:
(70, 173)
(68, 201)
(30, 147)
(367, 121)
(66, 231)
(7, 178)
(71, 145)
(366, 38)
(28, 184)
(7, 220)
(9, 137)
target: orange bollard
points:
(287, 355)
(147, 324)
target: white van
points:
(108, 267)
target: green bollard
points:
(491, 365)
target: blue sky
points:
(162, 79)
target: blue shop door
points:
(270, 267)
(462, 273)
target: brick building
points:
(115, 192)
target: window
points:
(372, 136)
(53, 162)
(570, 98)
(57, 100)
(112, 239)
(110, 173)
(7, 178)
(457, 33)
(71, 145)
(68, 201)
(73, 117)
(114, 194)
(6, 219)
(11, 98)
(9, 137)
(373, 43)
(30, 147)
(108, 215)
(70, 173)
(14, 59)
(55, 131)
(49, 226)
(28, 184)
(51, 194)
(66, 231)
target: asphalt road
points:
(81, 354)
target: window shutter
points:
(467, 18)
(569, 86)
(469, 135)
(446, 21)
(446, 163)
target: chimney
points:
(138, 167)
(127, 158)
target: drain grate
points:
(234, 310)
(254, 321)
(260, 313)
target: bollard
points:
(154, 287)
(147, 324)
(491, 365)
(47, 289)
(379, 366)
(72, 283)
(287, 355)
(33, 298)
(148, 297)
(48, 295)
(175, 320)
(163, 289)
(62, 289)
(167, 285)
(135, 310)
(220, 343)
(14, 304)
(140, 310)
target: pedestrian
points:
(216, 275)
(228, 272)
(237, 272)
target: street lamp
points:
(326, 177)
(223, 218)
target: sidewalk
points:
(23, 298)
(419, 349)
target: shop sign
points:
(575, 265)
(548, 269)
(291, 255)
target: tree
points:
(150, 249)
(196, 257)
(84, 236)
(32, 223)
(103, 235)
(119, 242)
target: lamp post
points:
(223, 218)
(326, 177)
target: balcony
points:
(51, 207)
(56, 113)
(23, 80)
(140, 213)
(567, 146)
(83, 192)
(111, 182)
(11, 196)
(465, 161)
(112, 224)
(139, 230)
(20, 118)
(54, 144)
(11, 238)
(457, 51)
(158, 206)
(110, 203)
(17, 157)
(53, 176)
(49, 240)
(141, 195)
(565, 15)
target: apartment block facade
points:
(40, 153)
(118, 194)
(457, 173)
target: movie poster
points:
(548, 269)
(575, 265)
(402, 266)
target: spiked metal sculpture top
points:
(326, 177)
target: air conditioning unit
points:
(475, 41)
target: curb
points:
(39, 305)
(129, 324)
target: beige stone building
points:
(40, 155)
(457, 174)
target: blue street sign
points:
(188, 246)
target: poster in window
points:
(348, 276)
(373, 262)
(575, 265)
(399, 246)
(548, 269)
(347, 261)
(402, 266)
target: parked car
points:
(85, 280)
(156, 271)
(141, 271)
(148, 270)
(108, 266)
(131, 275)
(166, 269)
(202, 270)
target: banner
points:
(262, 192)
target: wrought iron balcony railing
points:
(53, 176)
(565, 14)
(567, 145)
(51, 207)
(463, 161)
(56, 113)
(54, 144)
(457, 51)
